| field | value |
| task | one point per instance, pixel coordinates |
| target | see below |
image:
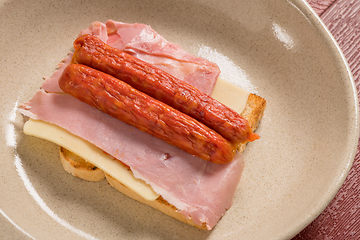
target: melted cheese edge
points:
(225, 92)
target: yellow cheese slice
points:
(230, 95)
(91, 153)
(226, 93)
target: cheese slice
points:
(225, 92)
(91, 153)
(230, 95)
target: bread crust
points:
(159, 204)
(78, 167)
(253, 112)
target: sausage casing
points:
(133, 107)
(91, 51)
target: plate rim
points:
(315, 19)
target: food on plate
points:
(138, 164)
(91, 51)
(133, 107)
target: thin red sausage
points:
(91, 51)
(133, 107)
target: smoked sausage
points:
(133, 107)
(91, 51)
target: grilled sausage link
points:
(133, 107)
(91, 51)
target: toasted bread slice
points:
(159, 204)
(253, 112)
(77, 166)
(80, 168)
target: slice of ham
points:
(143, 42)
(51, 84)
(198, 188)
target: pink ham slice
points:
(144, 43)
(51, 84)
(198, 188)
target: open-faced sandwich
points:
(151, 118)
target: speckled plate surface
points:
(275, 48)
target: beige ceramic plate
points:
(276, 48)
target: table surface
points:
(341, 219)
